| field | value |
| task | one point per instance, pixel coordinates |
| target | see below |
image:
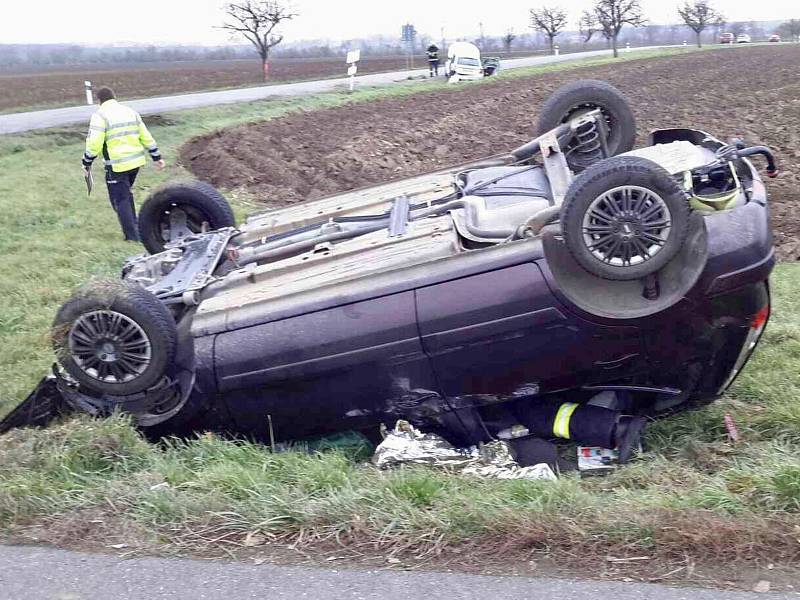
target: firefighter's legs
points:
(433, 66)
(583, 423)
(121, 197)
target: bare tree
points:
(588, 26)
(613, 15)
(790, 29)
(698, 16)
(256, 20)
(508, 39)
(550, 21)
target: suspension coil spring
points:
(587, 140)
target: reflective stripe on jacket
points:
(119, 134)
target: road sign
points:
(352, 70)
(409, 32)
(353, 56)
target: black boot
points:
(628, 436)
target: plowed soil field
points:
(63, 86)
(753, 93)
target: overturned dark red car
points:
(465, 301)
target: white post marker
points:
(628, 47)
(353, 56)
(88, 86)
(556, 49)
(684, 43)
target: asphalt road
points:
(29, 573)
(41, 119)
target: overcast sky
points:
(193, 21)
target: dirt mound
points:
(751, 93)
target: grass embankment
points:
(693, 498)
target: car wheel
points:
(624, 218)
(115, 338)
(177, 210)
(578, 98)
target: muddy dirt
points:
(752, 93)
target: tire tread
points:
(203, 194)
(555, 107)
(135, 302)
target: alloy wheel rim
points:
(626, 226)
(110, 347)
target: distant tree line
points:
(13, 55)
(569, 40)
(624, 21)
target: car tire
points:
(115, 338)
(199, 203)
(624, 218)
(578, 97)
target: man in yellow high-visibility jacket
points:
(119, 134)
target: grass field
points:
(692, 500)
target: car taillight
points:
(760, 320)
(757, 325)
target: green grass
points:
(692, 495)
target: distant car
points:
(775, 38)
(463, 62)
(743, 38)
(491, 65)
(727, 38)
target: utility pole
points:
(483, 39)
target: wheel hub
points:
(109, 346)
(626, 225)
(106, 351)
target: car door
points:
(341, 368)
(502, 334)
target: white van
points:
(463, 61)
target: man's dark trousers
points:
(121, 197)
(433, 65)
